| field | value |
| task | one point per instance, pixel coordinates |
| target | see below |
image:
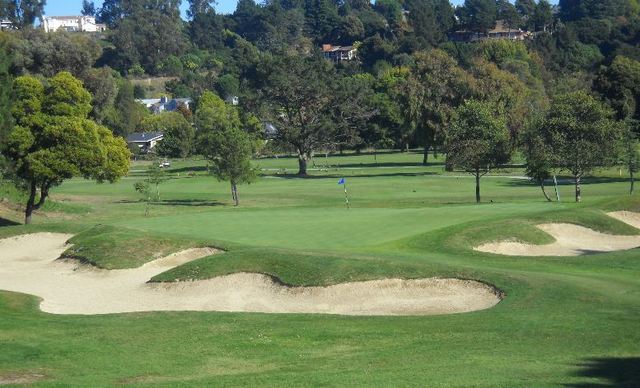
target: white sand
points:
(28, 264)
(571, 240)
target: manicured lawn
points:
(564, 321)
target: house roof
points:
(76, 17)
(327, 48)
(143, 137)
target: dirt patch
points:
(28, 265)
(571, 240)
(21, 378)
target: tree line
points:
(567, 98)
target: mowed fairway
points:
(563, 321)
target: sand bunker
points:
(28, 264)
(571, 240)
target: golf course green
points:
(563, 321)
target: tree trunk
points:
(31, 203)
(578, 189)
(425, 157)
(302, 164)
(632, 182)
(236, 199)
(375, 155)
(544, 192)
(233, 193)
(477, 186)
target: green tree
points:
(542, 16)
(156, 175)
(539, 158)
(631, 155)
(582, 135)
(23, 13)
(126, 114)
(103, 86)
(53, 139)
(5, 93)
(508, 13)
(619, 84)
(178, 140)
(227, 147)
(478, 140)
(434, 88)
(88, 8)
(138, 40)
(298, 95)
(525, 8)
(478, 15)
(37, 52)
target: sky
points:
(73, 7)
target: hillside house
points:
(165, 104)
(72, 24)
(339, 53)
(146, 142)
(500, 31)
(6, 25)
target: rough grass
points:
(111, 247)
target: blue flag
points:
(342, 182)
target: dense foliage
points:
(414, 69)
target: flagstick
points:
(346, 195)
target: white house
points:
(6, 25)
(72, 24)
(339, 53)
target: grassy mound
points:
(112, 247)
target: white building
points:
(72, 24)
(6, 25)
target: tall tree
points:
(139, 41)
(54, 140)
(539, 158)
(5, 94)
(224, 143)
(619, 85)
(478, 15)
(88, 8)
(542, 16)
(631, 155)
(24, 13)
(434, 88)
(582, 135)
(478, 140)
(110, 13)
(508, 13)
(525, 8)
(178, 139)
(197, 7)
(297, 92)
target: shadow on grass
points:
(178, 202)
(338, 176)
(187, 169)
(614, 372)
(386, 165)
(568, 181)
(6, 222)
